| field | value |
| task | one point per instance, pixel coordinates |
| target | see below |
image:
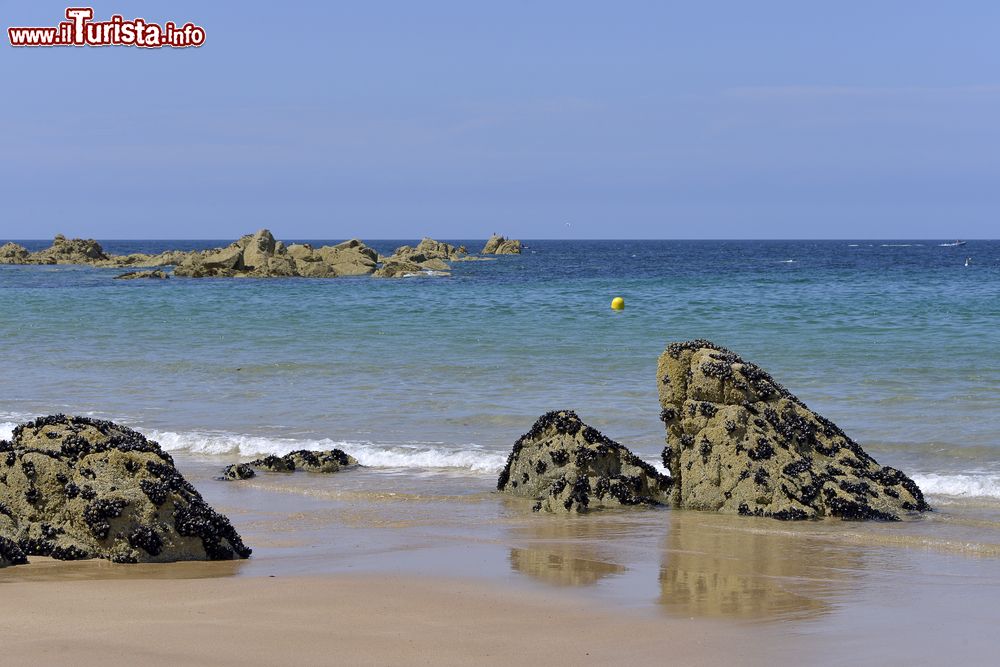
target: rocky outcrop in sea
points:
(501, 245)
(566, 466)
(83, 251)
(740, 443)
(259, 255)
(429, 257)
(77, 488)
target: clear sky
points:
(626, 119)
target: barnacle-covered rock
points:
(567, 466)
(331, 460)
(75, 488)
(238, 471)
(10, 553)
(738, 442)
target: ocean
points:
(428, 382)
(898, 342)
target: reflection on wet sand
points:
(47, 569)
(741, 567)
(565, 551)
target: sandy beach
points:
(371, 569)
(333, 620)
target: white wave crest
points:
(964, 485)
(7, 430)
(470, 457)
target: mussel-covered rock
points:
(238, 471)
(567, 466)
(75, 488)
(738, 442)
(331, 460)
(10, 552)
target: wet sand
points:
(383, 567)
(332, 620)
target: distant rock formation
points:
(76, 488)
(567, 466)
(327, 461)
(259, 255)
(138, 275)
(83, 251)
(501, 245)
(429, 257)
(71, 251)
(12, 253)
(738, 442)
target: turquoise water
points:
(898, 342)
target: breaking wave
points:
(473, 458)
(418, 455)
(963, 485)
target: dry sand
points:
(335, 620)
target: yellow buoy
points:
(617, 303)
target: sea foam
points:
(962, 485)
(472, 458)
(376, 455)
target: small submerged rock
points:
(327, 461)
(740, 443)
(567, 466)
(137, 275)
(77, 488)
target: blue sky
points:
(456, 119)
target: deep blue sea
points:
(898, 342)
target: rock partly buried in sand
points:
(501, 245)
(138, 275)
(567, 466)
(10, 553)
(74, 488)
(331, 460)
(238, 471)
(738, 442)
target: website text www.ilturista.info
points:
(81, 30)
